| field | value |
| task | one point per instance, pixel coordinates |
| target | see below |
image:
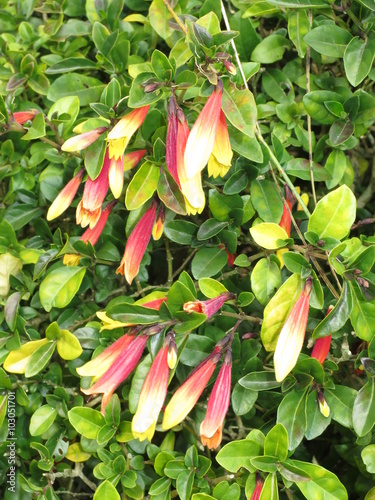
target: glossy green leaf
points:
(340, 401)
(68, 345)
(337, 318)
(208, 262)
(368, 457)
(292, 414)
(323, 483)
(276, 442)
(42, 419)
(300, 168)
(269, 235)
(180, 231)
(106, 491)
(133, 314)
(211, 288)
(39, 359)
(142, 186)
(316, 422)
(358, 58)
(237, 454)
(266, 200)
(86, 88)
(336, 166)
(298, 27)
(94, 157)
(86, 421)
(259, 381)
(242, 399)
(210, 228)
(265, 279)
(314, 103)
(334, 214)
(364, 408)
(362, 315)
(60, 286)
(239, 108)
(270, 49)
(270, 490)
(329, 40)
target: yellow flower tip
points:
(172, 356)
(108, 323)
(215, 168)
(71, 259)
(212, 442)
(323, 405)
(143, 429)
(116, 147)
(305, 199)
(86, 217)
(116, 177)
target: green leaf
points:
(266, 200)
(337, 318)
(86, 88)
(211, 288)
(270, 490)
(60, 286)
(39, 359)
(336, 165)
(278, 309)
(329, 40)
(188, 321)
(298, 27)
(207, 262)
(67, 106)
(269, 235)
(300, 4)
(364, 408)
(358, 58)
(237, 454)
(86, 421)
(270, 49)
(259, 381)
(292, 414)
(210, 228)
(178, 294)
(340, 132)
(106, 491)
(170, 194)
(137, 95)
(70, 64)
(19, 214)
(142, 186)
(316, 422)
(276, 442)
(300, 168)
(334, 214)
(242, 399)
(37, 129)
(180, 231)
(94, 157)
(42, 419)
(340, 401)
(239, 108)
(323, 483)
(133, 314)
(368, 457)
(184, 484)
(314, 103)
(68, 345)
(362, 315)
(265, 280)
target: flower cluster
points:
(112, 366)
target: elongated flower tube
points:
(152, 395)
(120, 369)
(136, 245)
(211, 430)
(116, 176)
(119, 137)
(292, 335)
(257, 490)
(202, 136)
(101, 363)
(221, 157)
(285, 221)
(82, 141)
(171, 142)
(158, 228)
(132, 159)
(208, 307)
(186, 396)
(92, 235)
(22, 117)
(89, 208)
(65, 197)
(191, 188)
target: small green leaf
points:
(39, 359)
(358, 58)
(237, 454)
(106, 491)
(276, 442)
(68, 345)
(86, 421)
(292, 414)
(60, 286)
(329, 40)
(364, 408)
(207, 262)
(42, 419)
(211, 288)
(323, 483)
(266, 201)
(37, 129)
(269, 235)
(142, 186)
(368, 457)
(259, 381)
(265, 280)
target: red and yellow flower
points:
(208, 307)
(65, 197)
(322, 345)
(221, 156)
(82, 141)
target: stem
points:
(175, 17)
(308, 65)
(242, 317)
(169, 262)
(186, 261)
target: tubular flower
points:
(208, 307)
(158, 228)
(257, 490)
(82, 141)
(322, 345)
(217, 406)
(116, 176)
(186, 396)
(322, 404)
(191, 188)
(89, 208)
(202, 136)
(119, 137)
(292, 334)
(65, 197)
(137, 244)
(152, 395)
(132, 159)
(221, 157)
(101, 363)
(119, 370)
(285, 221)
(22, 117)
(172, 131)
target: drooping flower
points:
(285, 221)
(89, 208)
(119, 370)
(132, 159)
(221, 156)
(171, 141)
(208, 307)
(158, 228)
(82, 141)
(292, 335)
(119, 137)
(152, 396)
(116, 176)
(22, 117)
(137, 244)
(65, 197)
(212, 426)
(322, 345)
(9, 265)
(257, 490)
(186, 396)
(202, 136)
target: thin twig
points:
(175, 17)
(308, 66)
(169, 262)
